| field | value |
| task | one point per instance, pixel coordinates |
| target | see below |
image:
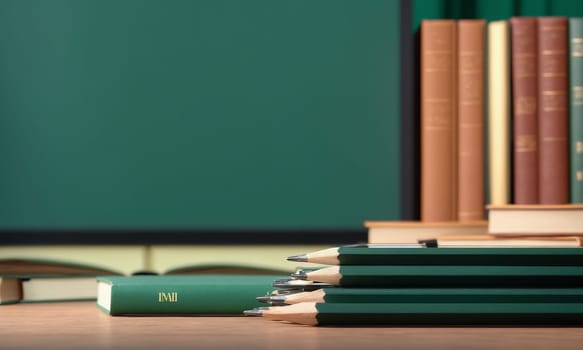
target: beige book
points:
(536, 219)
(487, 241)
(499, 112)
(412, 231)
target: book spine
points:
(184, 298)
(525, 121)
(576, 112)
(499, 112)
(552, 113)
(471, 119)
(438, 120)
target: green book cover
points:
(576, 111)
(186, 294)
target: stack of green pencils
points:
(380, 284)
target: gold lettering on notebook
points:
(167, 297)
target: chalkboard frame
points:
(408, 195)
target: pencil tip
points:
(300, 274)
(263, 299)
(258, 311)
(299, 258)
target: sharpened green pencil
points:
(380, 254)
(448, 276)
(430, 295)
(427, 314)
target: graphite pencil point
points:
(299, 258)
(300, 275)
(258, 311)
(263, 299)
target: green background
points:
(198, 114)
(492, 10)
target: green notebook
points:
(187, 294)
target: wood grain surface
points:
(81, 325)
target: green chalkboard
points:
(194, 114)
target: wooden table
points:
(81, 325)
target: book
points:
(10, 290)
(412, 231)
(28, 267)
(498, 112)
(58, 288)
(491, 241)
(117, 259)
(536, 220)
(576, 110)
(470, 74)
(524, 113)
(47, 288)
(184, 294)
(553, 110)
(40, 267)
(438, 120)
(42, 280)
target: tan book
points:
(485, 240)
(553, 113)
(525, 119)
(59, 288)
(10, 290)
(536, 219)
(47, 288)
(471, 119)
(438, 120)
(413, 231)
(499, 112)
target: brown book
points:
(438, 120)
(525, 120)
(553, 111)
(471, 119)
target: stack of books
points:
(416, 284)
